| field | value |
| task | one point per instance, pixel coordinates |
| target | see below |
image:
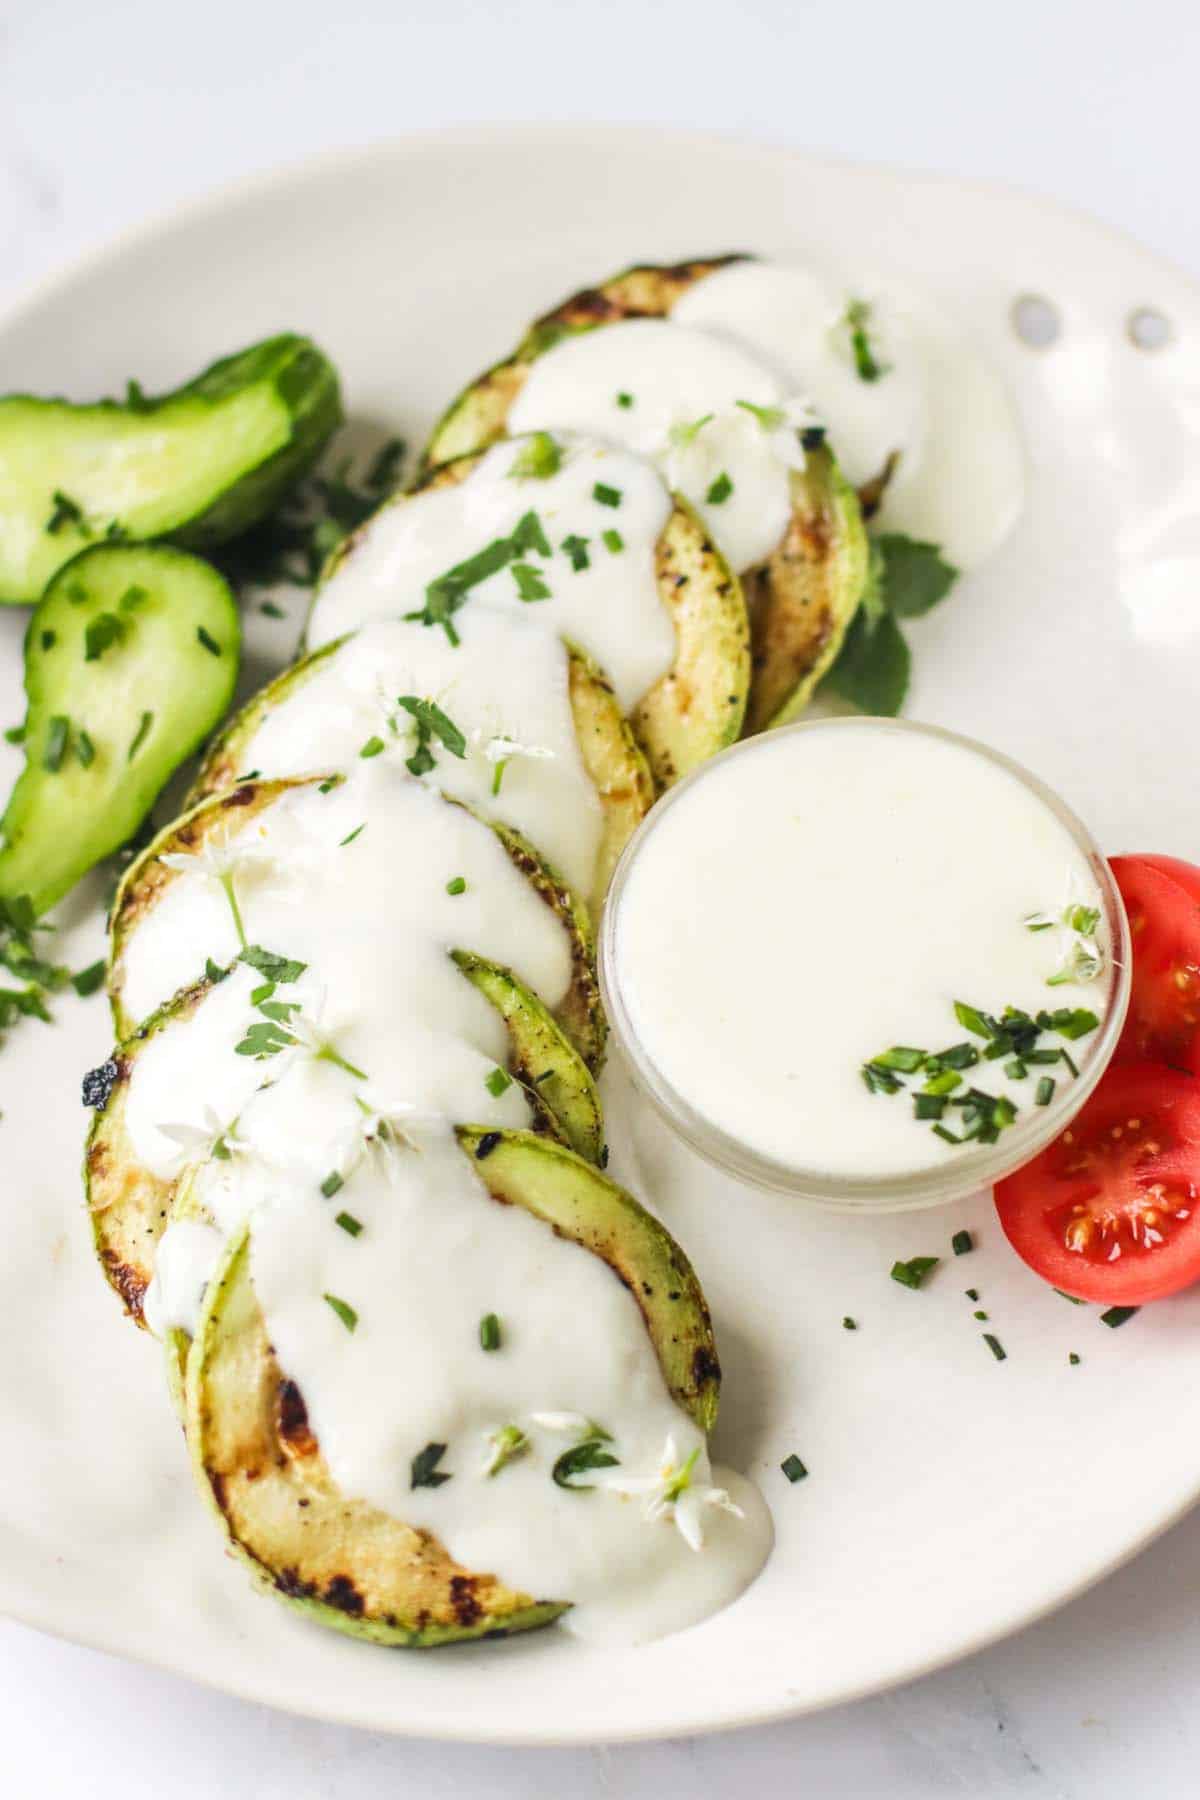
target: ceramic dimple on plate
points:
(951, 1497)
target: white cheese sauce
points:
(776, 335)
(812, 901)
(506, 688)
(415, 1045)
(609, 605)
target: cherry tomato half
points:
(1164, 926)
(1110, 1211)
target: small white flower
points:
(382, 1129)
(672, 1493)
(198, 1142)
(218, 859)
(505, 1445)
(501, 749)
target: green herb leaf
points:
(87, 981)
(995, 1346)
(849, 1324)
(101, 632)
(873, 665)
(625, 401)
(498, 1082)
(972, 1019)
(140, 735)
(577, 549)
(530, 583)
(1044, 1092)
(902, 1057)
(457, 886)
(719, 490)
(1117, 1315)
(351, 835)
(271, 965)
(912, 1273)
(962, 1243)
(425, 1471)
(372, 747)
(432, 722)
(915, 574)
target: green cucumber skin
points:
(58, 824)
(297, 375)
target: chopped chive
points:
(928, 1106)
(912, 1273)
(1015, 1070)
(1070, 1061)
(372, 747)
(944, 1082)
(1073, 1358)
(345, 1313)
(962, 1243)
(1073, 1298)
(86, 981)
(613, 541)
(332, 1184)
(902, 1057)
(878, 1080)
(971, 1293)
(498, 1082)
(979, 1315)
(498, 774)
(995, 1346)
(1083, 919)
(625, 400)
(85, 750)
(1117, 1315)
(849, 1324)
(793, 1468)
(351, 835)
(1042, 1057)
(866, 364)
(769, 417)
(272, 611)
(56, 743)
(489, 1332)
(719, 490)
(1044, 1092)
(576, 548)
(327, 787)
(349, 1223)
(208, 640)
(457, 886)
(605, 495)
(948, 1137)
(66, 512)
(974, 1021)
(140, 735)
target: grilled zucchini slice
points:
(130, 660)
(339, 1561)
(801, 601)
(198, 465)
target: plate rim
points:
(257, 186)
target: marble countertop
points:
(110, 112)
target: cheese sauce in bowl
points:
(867, 962)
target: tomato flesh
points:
(1109, 1211)
(1163, 1024)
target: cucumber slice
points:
(615, 765)
(130, 660)
(198, 465)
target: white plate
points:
(951, 1498)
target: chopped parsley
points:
(66, 512)
(911, 1274)
(530, 535)
(457, 886)
(497, 1083)
(625, 401)
(273, 966)
(100, 634)
(1073, 1358)
(576, 548)
(372, 747)
(793, 1468)
(431, 722)
(613, 541)
(604, 495)
(962, 1243)
(849, 1324)
(344, 1311)
(489, 1332)
(87, 981)
(719, 490)
(425, 1471)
